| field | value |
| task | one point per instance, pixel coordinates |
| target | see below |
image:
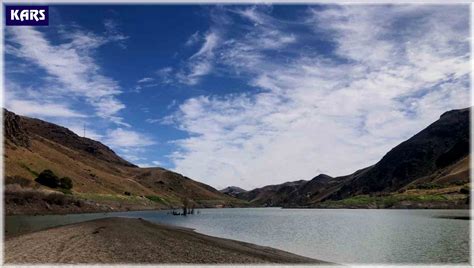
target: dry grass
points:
(104, 181)
(16, 194)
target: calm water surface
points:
(343, 236)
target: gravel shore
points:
(127, 240)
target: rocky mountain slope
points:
(98, 174)
(434, 159)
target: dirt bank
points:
(126, 240)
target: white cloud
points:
(253, 15)
(131, 145)
(153, 120)
(148, 165)
(165, 75)
(210, 42)
(216, 51)
(145, 80)
(193, 39)
(71, 68)
(42, 109)
(161, 76)
(113, 33)
(124, 138)
(402, 67)
(73, 79)
(145, 165)
(201, 62)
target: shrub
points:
(464, 190)
(65, 183)
(56, 199)
(459, 182)
(48, 178)
(23, 182)
(14, 193)
(430, 185)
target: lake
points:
(344, 236)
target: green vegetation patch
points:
(32, 172)
(115, 198)
(384, 201)
(428, 185)
(156, 199)
(105, 197)
(65, 191)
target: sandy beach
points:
(127, 240)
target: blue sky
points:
(239, 94)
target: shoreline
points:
(130, 240)
(72, 212)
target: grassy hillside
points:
(97, 173)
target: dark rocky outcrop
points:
(13, 128)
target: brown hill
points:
(98, 174)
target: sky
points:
(243, 95)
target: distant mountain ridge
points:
(232, 191)
(272, 195)
(437, 154)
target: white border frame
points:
(227, 2)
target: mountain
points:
(97, 172)
(441, 144)
(232, 191)
(272, 195)
(433, 164)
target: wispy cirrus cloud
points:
(163, 76)
(70, 67)
(393, 70)
(201, 62)
(219, 50)
(114, 34)
(145, 80)
(193, 39)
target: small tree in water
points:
(185, 206)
